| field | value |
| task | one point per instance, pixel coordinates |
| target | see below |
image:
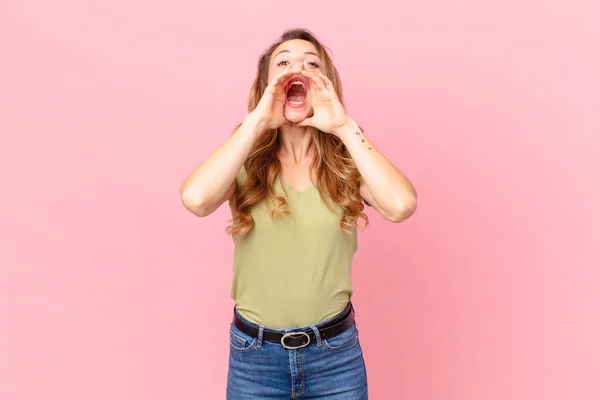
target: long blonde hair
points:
(336, 173)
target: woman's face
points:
(298, 104)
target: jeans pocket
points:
(240, 341)
(344, 340)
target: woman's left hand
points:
(329, 113)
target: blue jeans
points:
(332, 369)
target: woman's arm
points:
(384, 187)
(212, 182)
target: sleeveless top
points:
(293, 270)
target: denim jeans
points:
(332, 369)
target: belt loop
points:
(261, 330)
(317, 334)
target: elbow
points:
(403, 210)
(195, 204)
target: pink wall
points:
(109, 289)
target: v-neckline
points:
(296, 192)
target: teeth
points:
(297, 83)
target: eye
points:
(282, 63)
(313, 64)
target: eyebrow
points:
(287, 51)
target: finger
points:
(327, 81)
(271, 89)
(296, 69)
(279, 82)
(276, 84)
(279, 77)
(315, 79)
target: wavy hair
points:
(337, 177)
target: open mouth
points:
(297, 92)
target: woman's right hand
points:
(268, 114)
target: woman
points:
(296, 173)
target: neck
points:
(297, 143)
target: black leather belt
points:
(299, 339)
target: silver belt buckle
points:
(293, 334)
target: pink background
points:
(110, 289)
